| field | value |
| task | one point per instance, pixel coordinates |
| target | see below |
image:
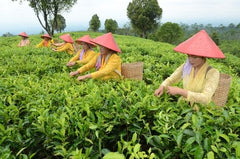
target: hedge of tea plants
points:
(46, 114)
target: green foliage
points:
(61, 23)
(215, 38)
(94, 23)
(7, 34)
(46, 114)
(111, 25)
(144, 15)
(170, 32)
(114, 155)
(232, 47)
(229, 33)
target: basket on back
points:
(132, 70)
(221, 94)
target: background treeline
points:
(227, 37)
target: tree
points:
(238, 26)
(48, 11)
(170, 32)
(215, 38)
(94, 23)
(61, 23)
(111, 25)
(144, 15)
(126, 30)
(8, 34)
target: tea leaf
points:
(210, 155)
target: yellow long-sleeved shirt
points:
(208, 88)
(41, 44)
(68, 47)
(87, 56)
(106, 70)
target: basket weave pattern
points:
(221, 94)
(132, 70)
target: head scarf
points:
(186, 68)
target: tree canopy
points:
(94, 23)
(170, 32)
(111, 25)
(144, 15)
(47, 11)
(61, 23)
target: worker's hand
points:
(69, 64)
(174, 90)
(81, 78)
(73, 73)
(158, 92)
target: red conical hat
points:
(107, 41)
(23, 34)
(200, 44)
(86, 39)
(46, 36)
(66, 38)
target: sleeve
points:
(212, 79)
(39, 45)
(113, 63)
(175, 77)
(58, 44)
(62, 48)
(91, 64)
(88, 58)
(52, 41)
(76, 57)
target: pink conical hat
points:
(107, 41)
(86, 39)
(66, 38)
(46, 36)
(200, 44)
(23, 34)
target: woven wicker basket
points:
(132, 70)
(221, 94)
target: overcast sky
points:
(15, 17)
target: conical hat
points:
(107, 41)
(200, 44)
(46, 36)
(23, 34)
(66, 38)
(86, 39)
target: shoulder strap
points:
(115, 70)
(209, 68)
(118, 72)
(107, 57)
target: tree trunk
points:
(55, 13)
(143, 35)
(44, 27)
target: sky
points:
(16, 17)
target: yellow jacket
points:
(87, 56)
(41, 44)
(68, 47)
(107, 69)
(206, 90)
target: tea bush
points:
(46, 114)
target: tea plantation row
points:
(46, 114)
